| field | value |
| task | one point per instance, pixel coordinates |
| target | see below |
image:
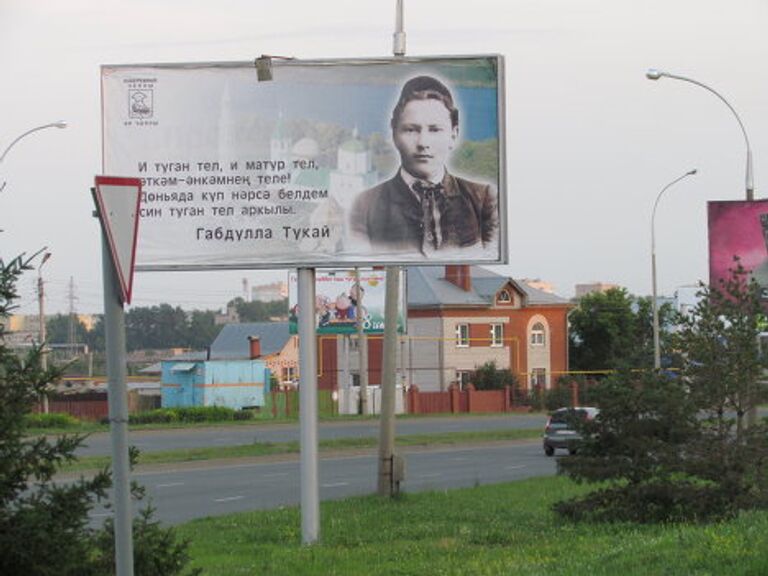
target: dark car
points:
(561, 429)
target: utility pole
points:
(41, 320)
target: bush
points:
(555, 398)
(57, 420)
(488, 377)
(244, 415)
(188, 414)
(159, 416)
(205, 414)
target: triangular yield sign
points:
(117, 200)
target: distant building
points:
(584, 289)
(270, 292)
(539, 285)
(229, 317)
(459, 318)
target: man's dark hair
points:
(425, 88)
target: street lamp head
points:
(653, 74)
(60, 124)
(691, 172)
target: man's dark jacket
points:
(390, 215)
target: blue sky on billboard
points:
(590, 141)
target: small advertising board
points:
(331, 163)
(337, 308)
(738, 228)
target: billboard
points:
(337, 309)
(330, 163)
(738, 228)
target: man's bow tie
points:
(427, 190)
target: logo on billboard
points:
(140, 103)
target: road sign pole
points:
(310, 492)
(114, 324)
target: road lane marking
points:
(229, 499)
(275, 475)
(170, 485)
(433, 475)
(335, 485)
(515, 467)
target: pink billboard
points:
(738, 228)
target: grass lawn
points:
(488, 530)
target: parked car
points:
(561, 429)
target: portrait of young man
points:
(424, 209)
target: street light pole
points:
(654, 304)
(653, 74)
(59, 124)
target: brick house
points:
(460, 317)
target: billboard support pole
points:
(388, 483)
(114, 324)
(388, 480)
(310, 493)
(362, 347)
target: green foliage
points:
(477, 159)
(44, 526)
(258, 311)
(58, 329)
(502, 529)
(668, 448)
(612, 330)
(57, 420)
(158, 551)
(188, 414)
(489, 377)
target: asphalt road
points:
(98, 444)
(210, 489)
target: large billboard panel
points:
(330, 163)
(738, 228)
(337, 306)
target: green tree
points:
(202, 329)
(612, 329)
(675, 447)
(57, 329)
(258, 311)
(724, 364)
(44, 526)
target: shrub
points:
(159, 416)
(489, 377)
(57, 420)
(555, 398)
(205, 414)
(244, 415)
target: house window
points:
(538, 337)
(505, 297)
(289, 374)
(462, 335)
(497, 335)
(463, 377)
(539, 377)
(354, 344)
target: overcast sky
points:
(590, 141)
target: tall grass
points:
(489, 530)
